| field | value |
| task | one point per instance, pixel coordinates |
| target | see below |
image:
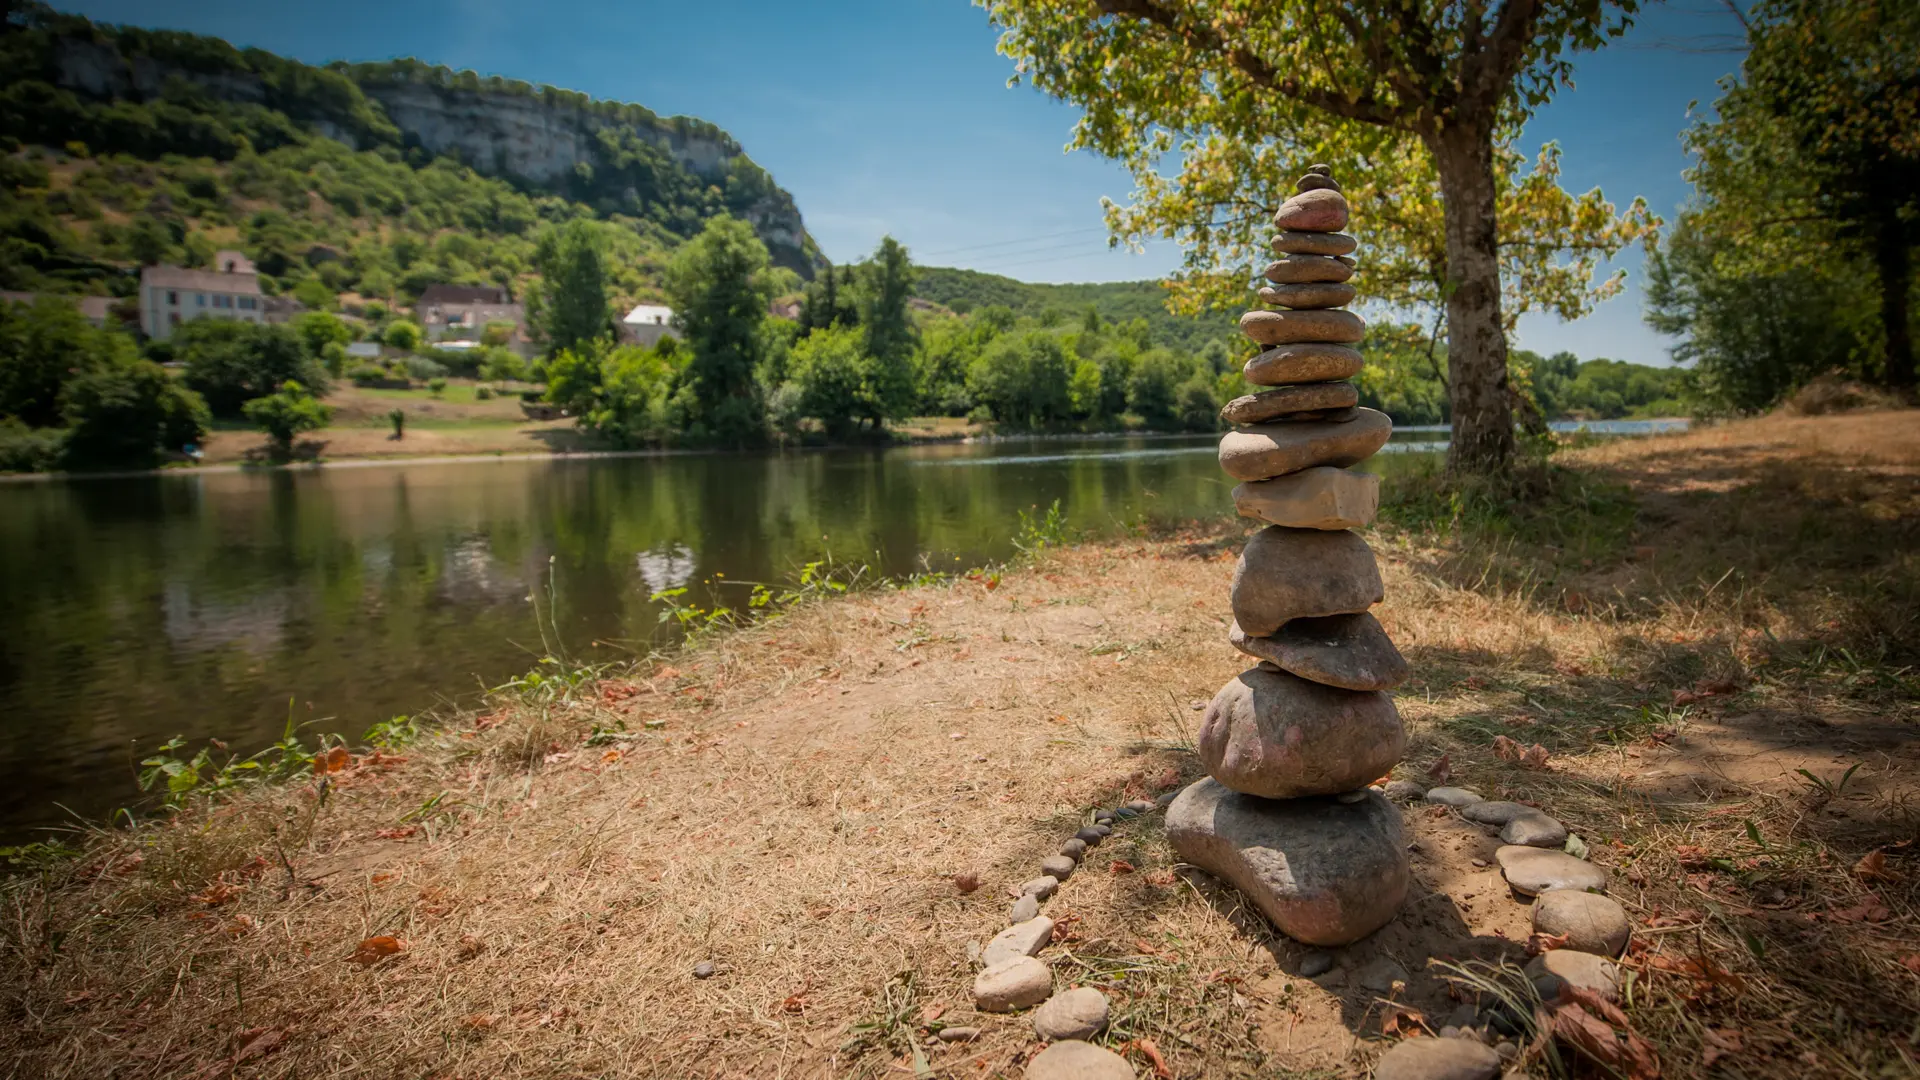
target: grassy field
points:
(455, 422)
(1714, 635)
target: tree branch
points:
(1173, 21)
(1486, 74)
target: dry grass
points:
(792, 800)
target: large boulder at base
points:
(1279, 736)
(1348, 651)
(1301, 397)
(1269, 450)
(1322, 497)
(1287, 327)
(1324, 210)
(1306, 362)
(1323, 871)
(1288, 574)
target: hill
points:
(126, 145)
(1119, 301)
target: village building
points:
(460, 313)
(171, 295)
(646, 324)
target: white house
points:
(170, 296)
(647, 324)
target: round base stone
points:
(1324, 872)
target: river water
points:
(201, 604)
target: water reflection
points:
(200, 604)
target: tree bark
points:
(1483, 439)
(1894, 260)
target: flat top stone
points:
(1453, 796)
(1012, 984)
(1020, 939)
(1534, 829)
(1072, 1059)
(1532, 870)
(1079, 1013)
(1348, 651)
(1322, 210)
(1591, 922)
(1583, 970)
(1438, 1059)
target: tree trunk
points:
(1476, 342)
(1894, 260)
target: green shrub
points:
(127, 415)
(483, 393)
(419, 367)
(287, 414)
(230, 363)
(404, 335)
(27, 449)
(368, 375)
(437, 386)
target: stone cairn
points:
(1292, 744)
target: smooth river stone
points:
(1299, 397)
(1316, 182)
(1322, 497)
(1288, 574)
(1591, 922)
(1438, 1059)
(1312, 294)
(1263, 451)
(1279, 736)
(1324, 872)
(1304, 363)
(1312, 211)
(1071, 1059)
(1532, 870)
(1299, 269)
(1349, 651)
(1314, 243)
(1288, 327)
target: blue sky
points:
(893, 116)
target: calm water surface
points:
(132, 610)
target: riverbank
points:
(1685, 624)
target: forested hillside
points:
(1117, 302)
(126, 146)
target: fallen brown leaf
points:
(1873, 867)
(966, 883)
(375, 949)
(1441, 771)
(1145, 1048)
(1599, 1030)
(1720, 1042)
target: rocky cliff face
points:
(548, 142)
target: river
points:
(202, 604)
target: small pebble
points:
(1197, 705)
(1481, 863)
(1534, 830)
(1102, 828)
(1453, 796)
(1020, 939)
(959, 1034)
(1079, 1013)
(1040, 887)
(705, 969)
(1071, 1059)
(1090, 836)
(1382, 974)
(1027, 907)
(1165, 799)
(1103, 817)
(1126, 812)
(1141, 806)
(1585, 971)
(1404, 791)
(1437, 1059)
(1494, 813)
(1448, 1031)
(1507, 1050)
(1058, 866)
(1591, 922)
(1074, 848)
(1013, 984)
(1315, 964)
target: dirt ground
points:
(1714, 636)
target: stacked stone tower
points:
(1292, 743)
